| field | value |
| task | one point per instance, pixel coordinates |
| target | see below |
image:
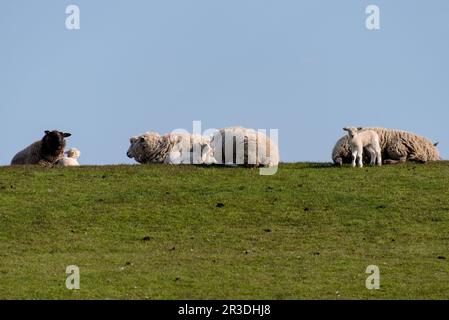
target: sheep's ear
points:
(345, 129)
(142, 139)
(47, 132)
(66, 135)
(359, 128)
(132, 139)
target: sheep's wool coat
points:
(242, 146)
(33, 155)
(173, 148)
(396, 145)
(68, 162)
(189, 149)
(150, 147)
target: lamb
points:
(173, 148)
(397, 146)
(45, 152)
(252, 148)
(71, 160)
(189, 149)
(358, 140)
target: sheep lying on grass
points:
(71, 160)
(397, 146)
(46, 151)
(230, 146)
(173, 148)
(242, 146)
(190, 149)
(368, 139)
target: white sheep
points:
(368, 139)
(252, 148)
(397, 146)
(172, 148)
(189, 149)
(71, 159)
(243, 146)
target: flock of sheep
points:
(228, 146)
(239, 146)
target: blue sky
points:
(307, 68)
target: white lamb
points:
(172, 148)
(71, 159)
(368, 139)
(189, 149)
(246, 147)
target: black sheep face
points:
(54, 141)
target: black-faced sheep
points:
(396, 145)
(46, 151)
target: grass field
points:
(185, 232)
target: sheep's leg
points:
(395, 161)
(372, 154)
(415, 158)
(360, 161)
(378, 157)
(45, 163)
(360, 157)
(391, 161)
(373, 158)
(354, 157)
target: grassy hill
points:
(185, 232)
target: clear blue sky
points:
(307, 68)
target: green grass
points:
(307, 232)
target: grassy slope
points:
(310, 231)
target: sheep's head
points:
(54, 142)
(73, 153)
(342, 152)
(143, 146)
(352, 131)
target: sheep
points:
(397, 146)
(45, 152)
(189, 149)
(71, 160)
(173, 148)
(149, 147)
(252, 148)
(358, 140)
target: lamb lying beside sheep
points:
(251, 148)
(45, 152)
(396, 146)
(71, 160)
(189, 149)
(173, 148)
(243, 146)
(239, 146)
(366, 139)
